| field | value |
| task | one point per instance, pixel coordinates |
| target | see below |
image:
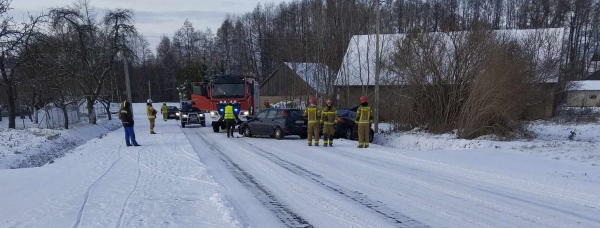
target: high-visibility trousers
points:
(363, 134)
(328, 132)
(313, 129)
(151, 125)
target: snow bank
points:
(556, 141)
(227, 211)
(34, 147)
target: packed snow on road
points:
(193, 177)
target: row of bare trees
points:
(69, 55)
(319, 31)
(62, 58)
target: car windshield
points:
(228, 91)
(197, 89)
(294, 113)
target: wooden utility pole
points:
(377, 70)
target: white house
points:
(584, 94)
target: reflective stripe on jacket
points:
(329, 115)
(312, 114)
(229, 113)
(364, 115)
(150, 112)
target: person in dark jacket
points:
(126, 118)
(230, 119)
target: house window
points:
(593, 97)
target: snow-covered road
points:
(106, 184)
(193, 177)
(381, 187)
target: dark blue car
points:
(275, 122)
(346, 127)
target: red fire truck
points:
(242, 89)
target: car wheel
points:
(215, 127)
(371, 136)
(349, 133)
(278, 133)
(247, 132)
(304, 136)
(182, 125)
(203, 124)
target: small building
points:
(584, 93)
(296, 82)
(594, 76)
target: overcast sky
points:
(155, 18)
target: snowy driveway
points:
(193, 177)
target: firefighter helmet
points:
(149, 101)
(312, 101)
(363, 99)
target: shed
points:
(584, 93)
(296, 81)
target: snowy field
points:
(573, 142)
(33, 146)
(193, 177)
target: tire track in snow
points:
(283, 213)
(91, 188)
(137, 180)
(356, 196)
(505, 203)
(205, 183)
(183, 155)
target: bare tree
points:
(97, 45)
(14, 39)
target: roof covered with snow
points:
(314, 74)
(587, 85)
(358, 65)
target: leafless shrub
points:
(498, 94)
(479, 82)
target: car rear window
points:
(294, 113)
(272, 114)
(262, 115)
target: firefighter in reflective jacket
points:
(164, 111)
(312, 114)
(230, 119)
(328, 119)
(151, 113)
(364, 118)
